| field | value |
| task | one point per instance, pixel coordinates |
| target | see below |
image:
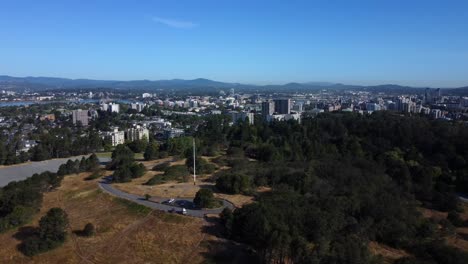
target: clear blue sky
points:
(411, 42)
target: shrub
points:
(205, 199)
(93, 176)
(176, 172)
(155, 180)
(89, 230)
(455, 218)
(51, 233)
(234, 183)
(151, 151)
(161, 166)
(137, 170)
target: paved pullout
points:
(107, 187)
(22, 171)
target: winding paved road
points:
(107, 187)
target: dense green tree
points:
(50, 234)
(151, 151)
(234, 183)
(121, 156)
(204, 198)
(138, 146)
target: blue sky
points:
(411, 42)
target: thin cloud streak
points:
(174, 23)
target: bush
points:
(176, 172)
(138, 146)
(121, 156)
(20, 200)
(89, 230)
(202, 166)
(234, 183)
(122, 174)
(163, 154)
(151, 151)
(161, 166)
(137, 170)
(172, 173)
(157, 179)
(77, 166)
(205, 199)
(51, 233)
(455, 219)
(227, 218)
(128, 172)
(93, 176)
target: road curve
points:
(107, 187)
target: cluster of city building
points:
(243, 107)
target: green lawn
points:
(104, 154)
(138, 156)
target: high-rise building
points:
(371, 107)
(137, 133)
(268, 108)
(80, 116)
(117, 137)
(283, 106)
(436, 113)
(432, 95)
(137, 106)
(115, 108)
(110, 107)
(236, 116)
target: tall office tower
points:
(283, 106)
(81, 116)
(268, 108)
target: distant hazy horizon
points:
(350, 82)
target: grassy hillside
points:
(125, 232)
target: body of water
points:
(84, 101)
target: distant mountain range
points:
(51, 83)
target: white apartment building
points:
(137, 133)
(117, 137)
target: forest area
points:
(340, 181)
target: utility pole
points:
(194, 175)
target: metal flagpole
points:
(194, 175)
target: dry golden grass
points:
(170, 189)
(123, 235)
(460, 239)
(174, 189)
(389, 254)
(237, 199)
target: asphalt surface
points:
(107, 187)
(22, 171)
(463, 197)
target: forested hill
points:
(199, 84)
(341, 180)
